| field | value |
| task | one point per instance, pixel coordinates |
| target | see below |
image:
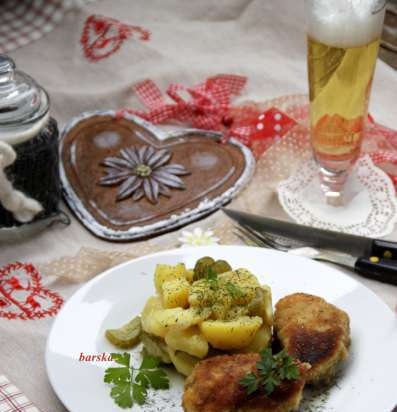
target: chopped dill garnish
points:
(234, 290)
(212, 278)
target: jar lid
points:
(22, 101)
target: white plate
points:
(368, 381)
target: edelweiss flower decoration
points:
(143, 172)
(198, 237)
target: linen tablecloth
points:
(188, 42)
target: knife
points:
(376, 259)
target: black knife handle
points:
(383, 270)
(384, 249)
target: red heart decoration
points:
(102, 36)
(23, 297)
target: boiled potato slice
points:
(244, 281)
(168, 272)
(261, 340)
(176, 293)
(183, 362)
(233, 334)
(189, 340)
(201, 295)
(236, 312)
(148, 319)
(220, 309)
(152, 304)
(177, 318)
(189, 275)
(228, 289)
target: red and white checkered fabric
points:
(24, 21)
(12, 399)
(208, 106)
(205, 107)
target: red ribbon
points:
(208, 106)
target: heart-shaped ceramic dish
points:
(216, 172)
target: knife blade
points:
(318, 238)
(370, 258)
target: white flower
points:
(198, 238)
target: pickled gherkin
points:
(202, 267)
(127, 336)
(207, 265)
(261, 305)
(155, 346)
(221, 266)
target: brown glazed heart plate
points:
(126, 179)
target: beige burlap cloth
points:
(263, 40)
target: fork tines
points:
(260, 239)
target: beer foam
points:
(345, 23)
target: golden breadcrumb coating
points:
(214, 386)
(313, 331)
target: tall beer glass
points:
(343, 43)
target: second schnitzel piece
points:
(214, 386)
(313, 331)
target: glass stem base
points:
(332, 184)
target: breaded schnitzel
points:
(313, 331)
(214, 386)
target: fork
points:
(254, 238)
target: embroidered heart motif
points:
(216, 171)
(22, 296)
(102, 36)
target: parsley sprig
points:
(271, 370)
(131, 384)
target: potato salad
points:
(205, 311)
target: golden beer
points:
(343, 44)
(340, 82)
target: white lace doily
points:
(370, 207)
